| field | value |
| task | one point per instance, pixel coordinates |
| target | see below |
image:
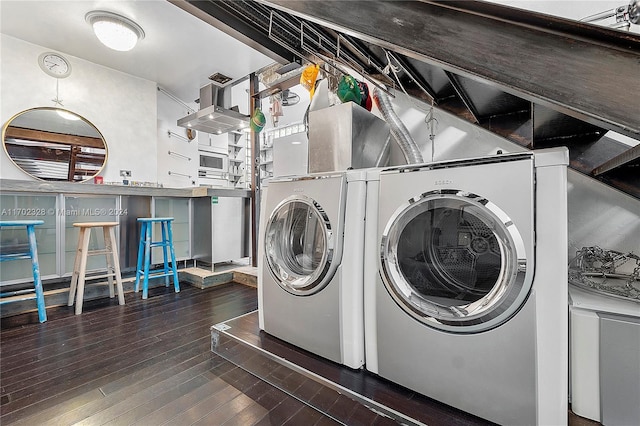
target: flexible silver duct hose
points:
(399, 131)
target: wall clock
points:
(54, 64)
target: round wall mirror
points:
(54, 144)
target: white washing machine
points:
(466, 284)
(310, 288)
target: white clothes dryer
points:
(310, 285)
(466, 287)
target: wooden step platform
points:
(205, 278)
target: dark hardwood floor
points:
(147, 362)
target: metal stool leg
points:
(37, 282)
(176, 283)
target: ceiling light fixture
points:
(114, 31)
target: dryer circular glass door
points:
(299, 245)
(455, 262)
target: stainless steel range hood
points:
(214, 115)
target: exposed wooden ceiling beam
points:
(43, 136)
(624, 158)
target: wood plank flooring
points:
(147, 363)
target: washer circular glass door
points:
(455, 262)
(299, 245)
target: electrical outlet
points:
(125, 173)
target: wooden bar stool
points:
(32, 254)
(144, 249)
(80, 265)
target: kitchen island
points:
(211, 225)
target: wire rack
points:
(607, 272)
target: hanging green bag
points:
(257, 120)
(348, 90)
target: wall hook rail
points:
(178, 174)
(176, 135)
(177, 154)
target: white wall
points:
(454, 138)
(602, 216)
(122, 107)
(184, 170)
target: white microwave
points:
(213, 168)
(213, 162)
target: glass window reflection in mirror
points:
(54, 144)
